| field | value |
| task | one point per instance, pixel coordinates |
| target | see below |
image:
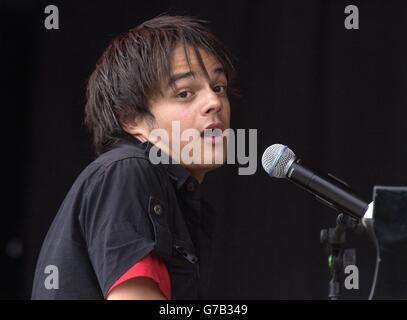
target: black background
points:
(337, 97)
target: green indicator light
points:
(330, 261)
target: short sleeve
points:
(119, 222)
(151, 267)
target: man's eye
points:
(184, 94)
(219, 89)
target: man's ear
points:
(130, 126)
(139, 128)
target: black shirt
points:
(119, 209)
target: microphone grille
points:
(277, 159)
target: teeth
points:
(212, 132)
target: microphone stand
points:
(338, 257)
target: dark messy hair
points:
(133, 67)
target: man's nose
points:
(213, 103)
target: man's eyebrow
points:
(190, 74)
(178, 76)
(219, 70)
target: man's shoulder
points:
(124, 160)
(122, 151)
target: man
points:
(132, 228)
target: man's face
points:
(197, 102)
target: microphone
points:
(279, 161)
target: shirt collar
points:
(175, 171)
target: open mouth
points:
(212, 135)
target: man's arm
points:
(140, 288)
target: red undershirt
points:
(151, 266)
